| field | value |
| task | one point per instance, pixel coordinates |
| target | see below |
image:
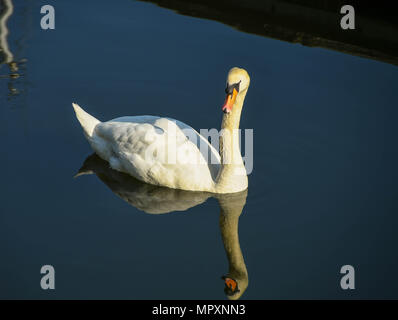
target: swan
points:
(167, 152)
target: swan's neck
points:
(231, 208)
(229, 233)
(232, 176)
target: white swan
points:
(156, 150)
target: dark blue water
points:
(323, 192)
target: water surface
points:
(322, 194)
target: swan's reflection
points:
(156, 200)
(143, 196)
(236, 280)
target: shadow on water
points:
(309, 22)
(160, 200)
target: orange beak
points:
(229, 101)
(231, 283)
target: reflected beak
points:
(229, 101)
(231, 286)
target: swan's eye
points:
(230, 88)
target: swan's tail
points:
(87, 121)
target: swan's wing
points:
(157, 151)
(207, 150)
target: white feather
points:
(146, 147)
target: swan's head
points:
(234, 287)
(238, 81)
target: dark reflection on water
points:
(309, 22)
(158, 200)
(323, 191)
